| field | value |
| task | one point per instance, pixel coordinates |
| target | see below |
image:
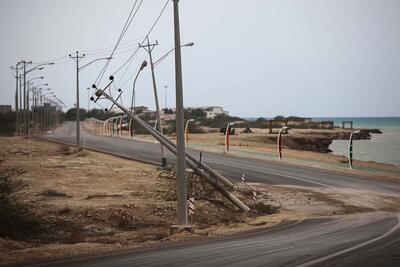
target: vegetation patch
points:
(16, 220)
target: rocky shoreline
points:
(320, 141)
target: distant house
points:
(139, 109)
(5, 109)
(167, 114)
(168, 117)
(211, 111)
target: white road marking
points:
(338, 253)
(269, 171)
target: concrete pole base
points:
(175, 229)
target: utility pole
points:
(165, 87)
(77, 58)
(20, 113)
(149, 48)
(17, 121)
(88, 98)
(180, 138)
(26, 101)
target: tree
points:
(196, 114)
(71, 114)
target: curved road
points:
(364, 240)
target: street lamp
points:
(27, 101)
(170, 51)
(351, 149)
(42, 84)
(187, 131)
(39, 67)
(133, 101)
(36, 78)
(26, 98)
(87, 64)
(279, 141)
(227, 133)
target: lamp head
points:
(189, 44)
(144, 64)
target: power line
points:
(109, 48)
(144, 39)
(51, 60)
(124, 30)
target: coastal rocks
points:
(319, 141)
(316, 144)
(308, 143)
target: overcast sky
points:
(254, 58)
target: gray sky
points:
(254, 58)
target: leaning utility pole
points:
(149, 47)
(77, 58)
(180, 138)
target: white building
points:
(211, 111)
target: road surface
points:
(371, 239)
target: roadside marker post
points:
(191, 209)
(351, 149)
(200, 157)
(279, 141)
(227, 135)
(254, 196)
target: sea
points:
(384, 147)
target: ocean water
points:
(383, 147)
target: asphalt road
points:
(270, 172)
(364, 240)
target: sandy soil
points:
(91, 202)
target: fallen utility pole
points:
(193, 164)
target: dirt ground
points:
(91, 202)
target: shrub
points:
(16, 220)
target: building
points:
(139, 109)
(168, 117)
(5, 109)
(211, 111)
